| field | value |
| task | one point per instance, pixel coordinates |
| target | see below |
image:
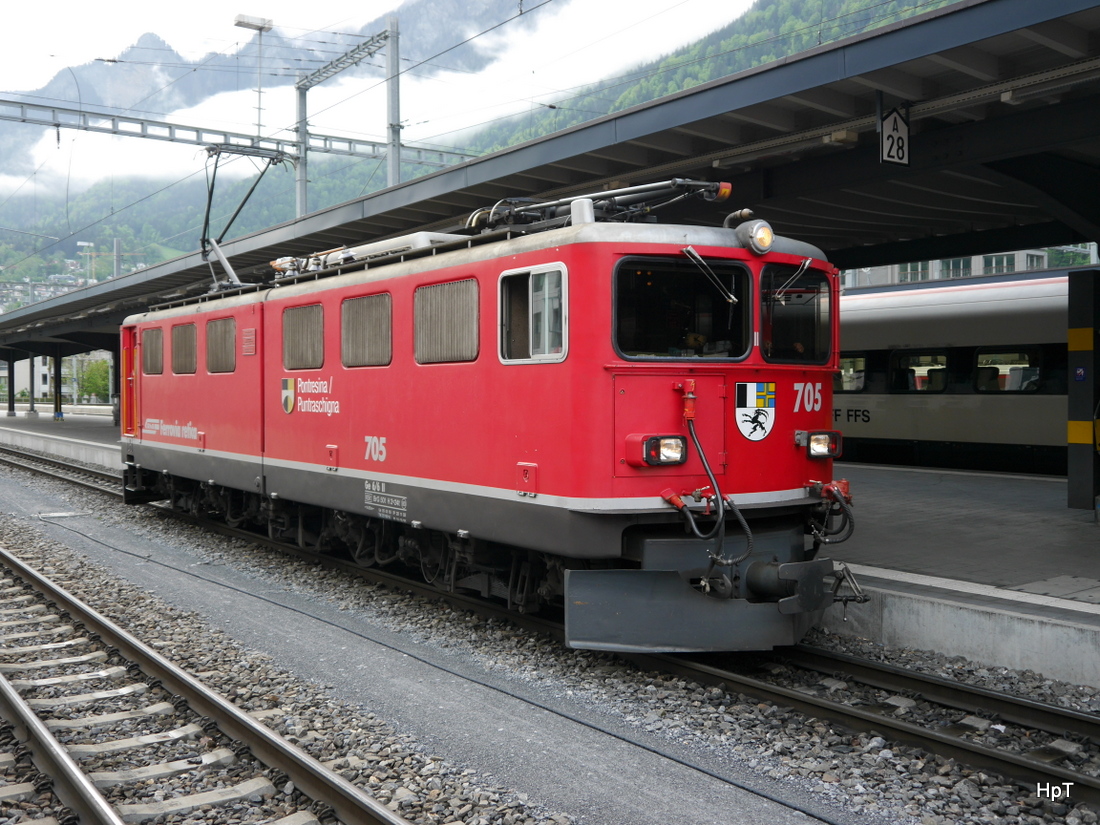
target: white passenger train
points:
(965, 374)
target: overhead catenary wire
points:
(584, 89)
(818, 23)
(590, 89)
(131, 205)
(449, 49)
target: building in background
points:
(85, 379)
(1024, 260)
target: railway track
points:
(111, 484)
(1070, 732)
(982, 714)
(123, 735)
(983, 709)
(100, 480)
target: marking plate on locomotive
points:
(381, 503)
(755, 412)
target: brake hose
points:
(720, 508)
(847, 525)
(718, 531)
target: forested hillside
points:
(161, 220)
(770, 30)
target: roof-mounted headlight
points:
(755, 235)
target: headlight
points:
(819, 443)
(755, 235)
(644, 450)
(665, 449)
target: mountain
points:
(151, 80)
(153, 219)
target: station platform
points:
(994, 568)
(86, 434)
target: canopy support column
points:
(1083, 403)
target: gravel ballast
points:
(849, 777)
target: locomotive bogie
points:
(519, 417)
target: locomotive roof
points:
(476, 249)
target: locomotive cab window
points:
(794, 315)
(152, 351)
(853, 374)
(673, 308)
(184, 352)
(304, 337)
(532, 314)
(1007, 371)
(918, 372)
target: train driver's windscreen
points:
(794, 315)
(673, 308)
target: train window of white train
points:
(184, 353)
(152, 351)
(1007, 371)
(918, 372)
(532, 314)
(366, 331)
(445, 320)
(852, 375)
(794, 315)
(221, 345)
(670, 308)
(304, 337)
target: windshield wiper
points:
(801, 268)
(697, 259)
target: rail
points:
(348, 803)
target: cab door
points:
(130, 372)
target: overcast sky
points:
(576, 42)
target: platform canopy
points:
(1000, 99)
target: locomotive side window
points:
(304, 337)
(918, 372)
(1004, 371)
(445, 318)
(532, 314)
(794, 317)
(671, 308)
(221, 345)
(366, 331)
(852, 375)
(184, 352)
(152, 351)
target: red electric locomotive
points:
(555, 404)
